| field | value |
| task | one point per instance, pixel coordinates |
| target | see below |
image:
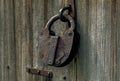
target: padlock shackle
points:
(56, 17)
(51, 21)
(71, 21)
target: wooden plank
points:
(102, 43)
(7, 41)
(86, 27)
(118, 40)
(19, 24)
(24, 37)
(10, 40)
(82, 26)
(1, 40)
(114, 13)
(29, 36)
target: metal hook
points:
(61, 13)
(70, 8)
(71, 3)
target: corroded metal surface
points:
(65, 44)
(40, 72)
(55, 50)
(72, 4)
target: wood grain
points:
(97, 28)
(1, 40)
(98, 24)
(24, 38)
(7, 41)
(118, 40)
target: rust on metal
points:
(67, 10)
(71, 3)
(40, 72)
(55, 50)
(65, 44)
(53, 46)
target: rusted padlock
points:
(56, 50)
(48, 43)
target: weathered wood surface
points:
(7, 41)
(98, 24)
(118, 41)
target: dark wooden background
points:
(98, 23)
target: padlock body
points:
(64, 48)
(47, 48)
(54, 50)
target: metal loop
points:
(61, 13)
(71, 21)
(51, 21)
(56, 17)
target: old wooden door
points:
(98, 23)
